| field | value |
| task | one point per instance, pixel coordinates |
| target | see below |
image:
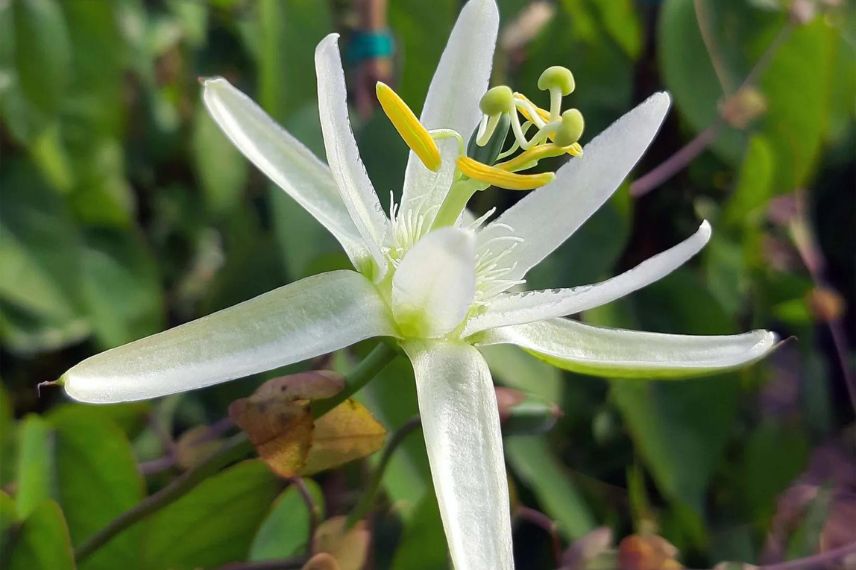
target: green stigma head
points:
(557, 77)
(497, 100)
(571, 128)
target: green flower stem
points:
(370, 366)
(367, 499)
(237, 447)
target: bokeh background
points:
(124, 210)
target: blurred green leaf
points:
(40, 252)
(7, 438)
(42, 57)
(688, 72)
(772, 457)
(531, 459)
(795, 119)
(423, 543)
(97, 480)
(8, 517)
(35, 465)
(420, 30)
(285, 530)
(101, 195)
(42, 543)
(680, 445)
(94, 104)
(121, 287)
(214, 523)
(288, 32)
(518, 369)
(753, 190)
(220, 168)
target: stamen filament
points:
(415, 135)
(484, 138)
(555, 103)
(502, 178)
(439, 134)
(530, 158)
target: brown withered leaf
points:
(347, 432)
(647, 552)
(349, 546)
(278, 420)
(322, 561)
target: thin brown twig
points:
(816, 562)
(682, 158)
(803, 238)
(677, 161)
(300, 484)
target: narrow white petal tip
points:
(661, 98)
(705, 231)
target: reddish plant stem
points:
(682, 158)
(816, 562)
(541, 520)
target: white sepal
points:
(530, 306)
(574, 346)
(302, 320)
(343, 156)
(284, 159)
(546, 217)
(460, 423)
(460, 80)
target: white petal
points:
(452, 102)
(313, 316)
(631, 354)
(435, 283)
(343, 156)
(548, 216)
(284, 160)
(460, 423)
(529, 306)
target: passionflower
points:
(427, 275)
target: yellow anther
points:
(557, 77)
(415, 135)
(499, 99)
(529, 158)
(571, 128)
(502, 178)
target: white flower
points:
(430, 278)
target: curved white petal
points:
(460, 423)
(343, 156)
(529, 306)
(452, 102)
(435, 283)
(631, 354)
(284, 159)
(548, 216)
(313, 316)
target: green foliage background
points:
(124, 210)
